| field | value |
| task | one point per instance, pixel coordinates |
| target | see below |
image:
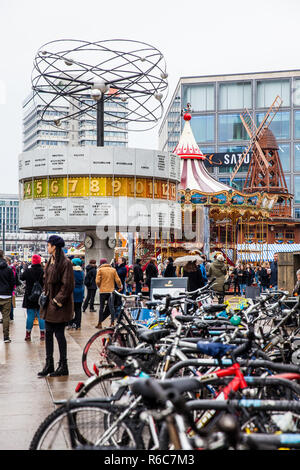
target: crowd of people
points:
(57, 294)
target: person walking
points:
(78, 293)
(138, 276)
(122, 272)
(264, 277)
(129, 281)
(106, 279)
(274, 273)
(33, 277)
(235, 278)
(218, 270)
(151, 272)
(170, 270)
(7, 285)
(90, 283)
(194, 275)
(58, 308)
(241, 272)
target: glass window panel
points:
(297, 189)
(284, 155)
(296, 93)
(280, 126)
(269, 89)
(235, 95)
(297, 157)
(297, 125)
(201, 97)
(288, 182)
(203, 128)
(231, 128)
(238, 183)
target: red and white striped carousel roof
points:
(193, 172)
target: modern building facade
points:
(75, 132)
(217, 102)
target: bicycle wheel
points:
(89, 423)
(95, 350)
(102, 386)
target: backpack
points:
(35, 292)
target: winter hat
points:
(55, 240)
(77, 261)
(103, 261)
(36, 259)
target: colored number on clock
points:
(73, 185)
(116, 185)
(54, 187)
(95, 187)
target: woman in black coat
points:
(170, 270)
(194, 275)
(32, 275)
(151, 271)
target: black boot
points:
(48, 369)
(62, 369)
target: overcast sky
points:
(196, 38)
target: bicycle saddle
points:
(153, 304)
(152, 336)
(185, 318)
(124, 352)
(214, 308)
(214, 349)
(141, 387)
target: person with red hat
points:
(34, 278)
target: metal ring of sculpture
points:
(130, 73)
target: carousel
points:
(225, 211)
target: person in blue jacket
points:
(121, 268)
(78, 293)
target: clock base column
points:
(98, 250)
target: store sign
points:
(226, 159)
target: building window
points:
(280, 126)
(284, 155)
(238, 184)
(297, 189)
(231, 128)
(297, 157)
(288, 182)
(297, 212)
(235, 95)
(203, 128)
(201, 97)
(297, 125)
(269, 89)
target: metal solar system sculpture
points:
(86, 76)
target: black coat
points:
(195, 279)
(249, 276)
(138, 273)
(30, 276)
(151, 271)
(170, 270)
(264, 277)
(90, 278)
(7, 279)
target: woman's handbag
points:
(43, 300)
